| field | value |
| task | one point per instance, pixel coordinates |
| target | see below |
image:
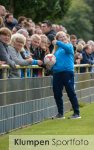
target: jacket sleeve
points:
(66, 46)
(17, 57)
(4, 56)
(87, 59)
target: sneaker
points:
(58, 116)
(74, 116)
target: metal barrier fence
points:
(5, 69)
(30, 100)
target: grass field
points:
(83, 126)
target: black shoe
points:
(74, 116)
(58, 116)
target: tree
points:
(65, 4)
(38, 10)
(77, 20)
(91, 4)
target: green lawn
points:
(83, 126)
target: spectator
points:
(15, 29)
(5, 36)
(35, 50)
(91, 43)
(46, 27)
(1, 22)
(10, 21)
(87, 57)
(17, 43)
(26, 50)
(78, 53)
(82, 42)
(2, 11)
(35, 44)
(43, 44)
(73, 40)
(38, 31)
(21, 21)
(23, 32)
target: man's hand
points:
(40, 62)
(29, 59)
(2, 62)
(54, 42)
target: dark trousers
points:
(61, 80)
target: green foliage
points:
(77, 20)
(65, 4)
(5, 3)
(38, 10)
(91, 4)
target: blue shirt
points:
(64, 57)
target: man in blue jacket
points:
(63, 75)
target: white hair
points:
(23, 32)
(35, 36)
(90, 42)
(18, 36)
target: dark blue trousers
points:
(61, 80)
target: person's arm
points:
(18, 58)
(86, 59)
(4, 56)
(66, 46)
(20, 61)
(37, 62)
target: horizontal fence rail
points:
(5, 69)
(25, 101)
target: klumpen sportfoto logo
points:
(51, 142)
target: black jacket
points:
(51, 34)
(87, 59)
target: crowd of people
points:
(23, 42)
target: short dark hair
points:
(48, 22)
(21, 18)
(8, 14)
(73, 36)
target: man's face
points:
(89, 50)
(10, 18)
(45, 28)
(74, 41)
(35, 42)
(43, 43)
